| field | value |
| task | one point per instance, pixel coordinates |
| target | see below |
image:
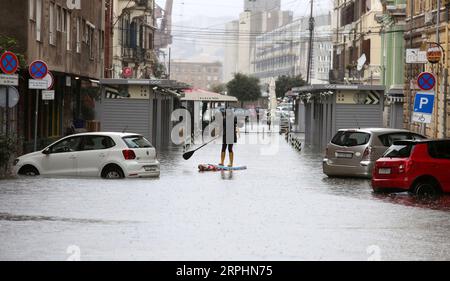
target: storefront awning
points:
(206, 96)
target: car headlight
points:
(16, 161)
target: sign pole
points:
(7, 112)
(36, 120)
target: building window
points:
(68, 31)
(78, 46)
(58, 18)
(32, 9)
(51, 30)
(38, 19)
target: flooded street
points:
(281, 208)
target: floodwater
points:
(281, 208)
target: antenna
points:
(361, 61)
(125, 129)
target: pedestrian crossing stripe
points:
(373, 98)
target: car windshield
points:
(399, 151)
(349, 139)
(137, 142)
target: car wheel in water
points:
(29, 171)
(113, 172)
(426, 190)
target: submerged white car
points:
(106, 155)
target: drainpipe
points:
(446, 72)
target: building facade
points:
(421, 31)
(356, 33)
(202, 75)
(258, 18)
(71, 42)
(284, 51)
(133, 40)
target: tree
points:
(219, 88)
(8, 143)
(11, 44)
(244, 88)
(285, 83)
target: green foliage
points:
(11, 44)
(244, 88)
(285, 83)
(8, 148)
(219, 88)
(159, 70)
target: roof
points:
(376, 130)
(118, 134)
(337, 87)
(202, 95)
(162, 83)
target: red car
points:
(420, 167)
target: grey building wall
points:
(261, 5)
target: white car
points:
(106, 155)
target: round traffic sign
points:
(13, 97)
(38, 69)
(50, 80)
(426, 81)
(9, 63)
(127, 72)
(434, 54)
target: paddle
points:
(188, 155)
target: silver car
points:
(353, 152)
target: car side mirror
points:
(46, 151)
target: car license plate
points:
(150, 169)
(344, 155)
(384, 171)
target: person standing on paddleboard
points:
(229, 135)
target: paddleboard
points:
(216, 168)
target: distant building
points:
(133, 39)
(258, 18)
(202, 75)
(71, 42)
(356, 32)
(261, 5)
(284, 51)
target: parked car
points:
(353, 152)
(106, 155)
(420, 167)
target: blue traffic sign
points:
(38, 69)
(424, 103)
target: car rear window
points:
(137, 142)
(389, 139)
(399, 151)
(439, 149)
(349, 139)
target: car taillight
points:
(367, 152)
(129, 154)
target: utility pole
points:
(310, 51)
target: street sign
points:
(37, 84)
(127, 72)
(48, 95)
(9, 63)
(426, 81)
(423, 107)
(13, 97)
(416, 56)
(434, 54)
(9, 80)
(50, 80)
(38, 69)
